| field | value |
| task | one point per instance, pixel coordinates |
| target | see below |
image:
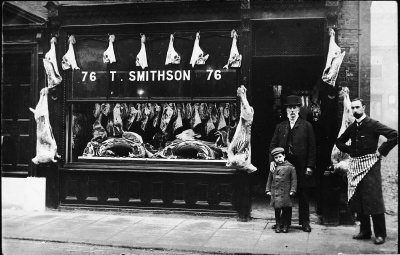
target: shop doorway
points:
(17, 121)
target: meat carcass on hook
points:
(68, 60)
(141, 58)
(109, 54)
(340, 161)
(46, 147)
(51, 55)
(172, 56)
(198, 57)
(235, 59)
(333, 61)
(239, 150)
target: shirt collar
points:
(294, 120)
(361, 118)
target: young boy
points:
(281, 185)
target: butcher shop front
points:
(146, 101)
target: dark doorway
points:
(295, 75)
(16, 119)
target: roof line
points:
(23, 13)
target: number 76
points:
(92, 76)
(217, 74)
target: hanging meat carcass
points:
(198, 57)
(145, 117)
(109, 54)
(235, 59)
(166, 117)
(189, 111)
(141, 58)
(139, 113)
(157, 113)
(340, 160)
(333, 61)
(132, 115)
(209, 125)
(239, 150)
(50, 65)
(221, 118)
(172, 56)
(68, 60)
(203, 111)
(46, 147)
(196, 117)
(117, 123)
(178, 122)
(124, 111)
(99, 132)
(226, 110)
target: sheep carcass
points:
(46, 147)
(50, 65)
(340, 160)
(333, 61)
(198, 57)
(239, 150)
(172, 56)
(235, 59)
(141, 58)
(68, 59)
(109, 55)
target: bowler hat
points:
(277, 150)
(293, 100)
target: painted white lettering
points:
(178, 75)
(169, 75)
(152, 74)
(186, 75)
(132, 76)
(140, 75)
(112, 75)
(161, 75)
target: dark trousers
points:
(378, 221)
(304, 207)
(283, 216)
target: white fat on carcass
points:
(221, 119)
(172, 56)
(50, 65)
(109, 54)
(141, 58)
(198, 57)
(235, 59)
(340, 160)
(333, 61)
(196, 117)
(239, 149)
(68, 60)
(178, 122)
(46, 147)
(187, 135)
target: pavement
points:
(187, 233)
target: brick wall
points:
(353, 36)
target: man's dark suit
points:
(302, 155)
(368, 199)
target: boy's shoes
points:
(379, 240)
(285, 229)
(306, 228)
(361, 235)
(278, 229)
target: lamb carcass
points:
(172, 56)
(157, 113)
(239, 150)
(221, 119)
(109, 55)
(141, 58)
(235, 59)
(117, 120)
(198, 57)
(50, 65)
(166, 117)
(146, 113)
(196, 116)
(178, 122)
(333, 61)
(99, 132)
(340, 161)
(46, 147)
(68, 60)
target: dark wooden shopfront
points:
(283, 44)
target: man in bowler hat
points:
(297, 137)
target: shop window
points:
(122, 111)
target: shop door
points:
(16, 119)
(288, 58)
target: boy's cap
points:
(277, 150)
